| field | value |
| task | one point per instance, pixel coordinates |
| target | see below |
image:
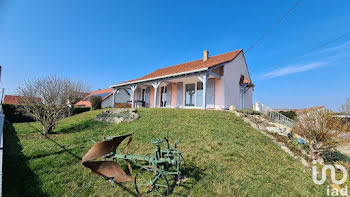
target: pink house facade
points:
(216, 82)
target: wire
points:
(325, 44)
(273, 26)
(319, 46)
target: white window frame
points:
(159, 95)
(195, 97)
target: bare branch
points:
(49, 99)
(345, 108)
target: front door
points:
(163, 96)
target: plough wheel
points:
(150, 181)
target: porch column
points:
(133, 88)
(204, 80)
(113, 97)
(155, 86)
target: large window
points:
(190, 94)
(199, 94)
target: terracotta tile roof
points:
(245, 80)
(12, 99)
(83, 103)
(188, 66)
(105, 93)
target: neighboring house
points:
(212, 82)
(15, 100)
(121, 97)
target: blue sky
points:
(105, 42)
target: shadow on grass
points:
(64, 149)
(18, 178)
(188, 172)
(77, 127)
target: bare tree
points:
(323, 131)
(57, 95)
(345, 108)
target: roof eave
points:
(160, 77)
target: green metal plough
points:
(151, 177)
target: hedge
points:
(78, 110)
(13, 115)
(96, 102)
(290, 114)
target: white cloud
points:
(337, 48)
(292, 69)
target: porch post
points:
(113, 97)
(133, 88)
(243, 93)
(155, 86)
(204, 80)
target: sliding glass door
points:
(194, 94)
(190, 95)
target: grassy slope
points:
(224, 156)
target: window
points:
(199, 99)
(190, 94)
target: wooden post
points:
(133, 88)
(155, 86)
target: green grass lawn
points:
(224, 157)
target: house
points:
(15, 100)
(211, 82)
(121, 96)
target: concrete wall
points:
(2, 119)
(151, 99)
(232, 73)
(173, 94)
(120, 97)
(107, 102)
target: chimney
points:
(205, 55)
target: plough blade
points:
(107, 169)
(104, 147)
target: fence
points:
(275, 115)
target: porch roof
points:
(184, 68)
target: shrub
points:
(322, 130)
(78, 110)
(249, 111)
(96, 102)
(58, 95)
(14, 115)
(290, 114)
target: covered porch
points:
(192, 90)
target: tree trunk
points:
(48, 130)
(70, 111)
